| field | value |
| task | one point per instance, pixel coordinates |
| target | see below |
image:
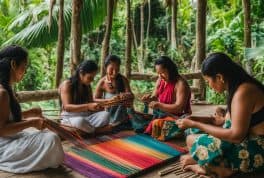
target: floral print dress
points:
(247, 156)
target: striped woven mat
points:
(121, 157)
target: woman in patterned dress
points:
(238, 146)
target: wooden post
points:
(106, 41)
(60, 48)
(200, 41)
(76, 34)
(174, 9)
(247, 32)
(128, 40)
(141, 58)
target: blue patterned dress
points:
(247, 156)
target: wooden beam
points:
(42, 95)
(39, 95)
(152, 77)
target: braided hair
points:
(18, 55)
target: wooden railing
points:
(151, 77)
(42, 95)
(38, 95)
(196, 90)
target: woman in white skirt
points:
(22, 151)
(78, 108)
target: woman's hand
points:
(148, 98)
(154, 104)
(116, 98)
(94, 107)
(38, 123)
(37, 112)
(185, 123)
(34, 112)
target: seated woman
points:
(110, 86)
(78, 108)
(173, 95)
(22, 151)
(238, 146)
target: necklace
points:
(109, 83)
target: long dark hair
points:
(168, 64)
(234, 74)
(87, 66)
(18, 55)
(120, 86)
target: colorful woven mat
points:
(121, 157)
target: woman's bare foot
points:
(195, 168)
(186, 160)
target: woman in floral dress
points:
(238, 146)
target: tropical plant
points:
(32, 26)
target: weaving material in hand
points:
(122, 98)
(71, 136)
(123, 157)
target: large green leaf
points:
(36, 32)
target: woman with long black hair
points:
(22, 151)
(78, 107)
(238, 146)
(109, 86)
(171, 97)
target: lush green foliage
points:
(26, 24)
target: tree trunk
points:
(60, 48)
(168, 31)
(106, 41)
(128, 39)
(134, 36)
(168, 25)
(247, 32)
(147, 33)
(76, 34)
(141, 58)
(174, 7)
(200, 41)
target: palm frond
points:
(38, 34)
